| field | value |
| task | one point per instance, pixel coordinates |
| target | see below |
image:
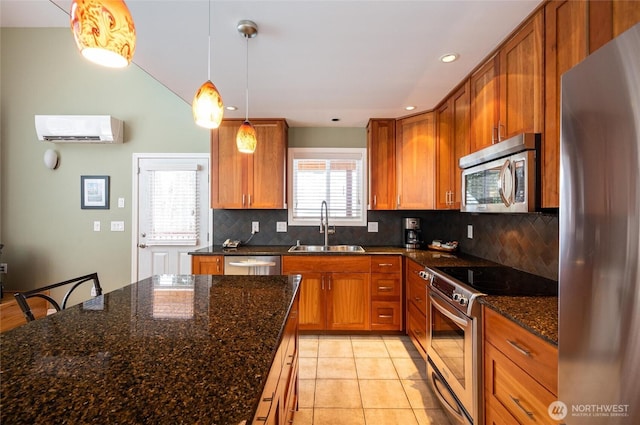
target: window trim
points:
(326, 153)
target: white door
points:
(173, 212)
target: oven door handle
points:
(437, 383)
(437, 301)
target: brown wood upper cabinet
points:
(243, 181)
(452, 143)
(381, 146)
(415, 162)
(507, 91)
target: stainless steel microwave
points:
(503, 177)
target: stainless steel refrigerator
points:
(599, 277)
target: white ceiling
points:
(312, 60)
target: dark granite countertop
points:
(539, 315)
(165, 350)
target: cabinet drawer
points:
(536, 356)
(417, 329)
(325, 263)
(386, 264)
(417, 293)
(508, 385)
(386, 315)
(386, 285)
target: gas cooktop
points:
(502, 280)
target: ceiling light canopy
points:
(246, 139)
(449, 57)
(207, 105)
(104, 31)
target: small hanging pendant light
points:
(104, 31)
(207, 105)
(246, 139)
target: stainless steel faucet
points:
(324, 223)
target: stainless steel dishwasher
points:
(252, 265)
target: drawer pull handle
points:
(418, 299)
(384, 288)
(385, 316)
(521, 350)
(517, 402)
(385, 265)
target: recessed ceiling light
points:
(231, 108)
(409, 108)
(335, 119)
(449, 57)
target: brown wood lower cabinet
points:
(279, 399)
(335, 291)
(520, 373)
(386, 293)
(207, 264)
(417, 312)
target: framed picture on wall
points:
(94, 192)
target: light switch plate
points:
(120, 202)
(372, 227)
(281, 226)
(470, 231)
(96, 226)
(117, 226)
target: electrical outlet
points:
(93, 291)
(372, 227)
(281, 226)
(3, 268)
(96, 226)
(117, 226)
(470, 231)
(255, 226)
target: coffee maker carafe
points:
(412, 233)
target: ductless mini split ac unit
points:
(79, 128)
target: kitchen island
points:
(164, 350)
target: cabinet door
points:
(484, 105)
(566, 45)
(348, 301)
(228, 168)
(312, 301)
(206, 264)
(521, 85)
(460, 139)
(267, 165)
(444, 155)
(609, 19)
(381, 158)
(415, 162)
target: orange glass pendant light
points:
(246, 140)
(104, 31)
(207, 105)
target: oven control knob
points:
(456, 296)
(462, 300)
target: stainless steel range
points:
(454, 330)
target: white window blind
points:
(174, 217)
(336, 176)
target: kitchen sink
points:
(328, 248)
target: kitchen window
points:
(334, 175)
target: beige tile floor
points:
(364, 380)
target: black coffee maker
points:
(412, 233)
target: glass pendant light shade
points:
(246, 140)
(207, 106)
(104, 31)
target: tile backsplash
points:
(527, 242)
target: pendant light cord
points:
(209, 55)
(247, 88)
